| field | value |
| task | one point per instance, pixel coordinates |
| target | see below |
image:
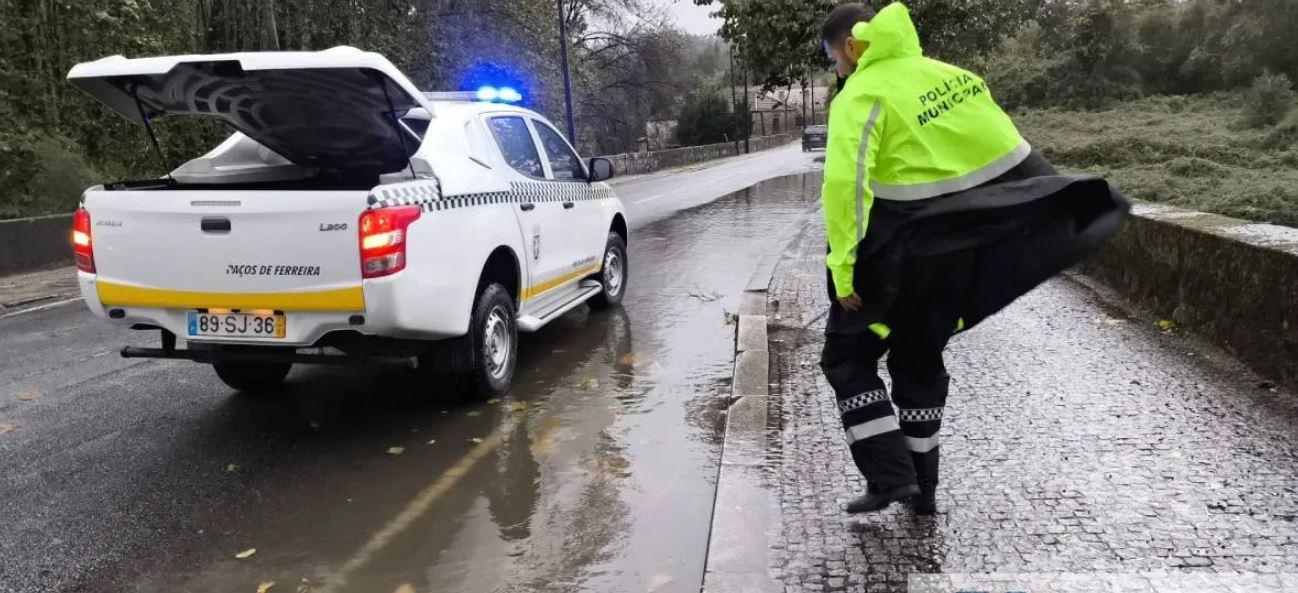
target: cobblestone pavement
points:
(1079, 438)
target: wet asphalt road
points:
(596, 474)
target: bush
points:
(1018, 71)
(1284, 134)
(1268, 101)
(706, 119)
(41, 175)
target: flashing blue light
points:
(504, 94)
(508, 95)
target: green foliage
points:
(706, 119)
(1268, 101)
(779, 40)
(1020, 73)
(48, 179)
(1285, 134)
(1185, 151)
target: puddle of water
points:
(596, 474)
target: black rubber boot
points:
(878, 500)
(925, 503)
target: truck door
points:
(585, 218)
(541, 221)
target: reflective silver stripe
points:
(860, 401)
(875, 427)
(860, 172)
(919, 414)
(921, 444)
(922, 191)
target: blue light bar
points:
(508, 95)
(488, 93)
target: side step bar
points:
(410, 362)
(529, 323)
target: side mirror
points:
(600, 169)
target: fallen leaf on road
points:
(315, 425)
(627, 359)
(1164, 324)
(493, 401)
(231, 468)
(517, 406)
(246, 553)
(265, 586)
(396, 450)
(405, 588)
(7, 428)
(432, 441)
(589, 383)
(27, 396)
(474, 413)
(476, 440)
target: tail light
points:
(82, 249)
(383, 240)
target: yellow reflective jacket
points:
(905, 127)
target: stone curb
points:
(746, 512)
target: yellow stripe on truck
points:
(536, 289)
(339, 299)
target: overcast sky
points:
(691, 18)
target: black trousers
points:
(897, 449)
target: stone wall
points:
(635, 163)
(29, 244)
(1233, 281)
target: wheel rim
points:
(614, 271)
(496, 344)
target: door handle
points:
(526, 206)
(568, 205)
(214, 224)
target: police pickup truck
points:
(349, 219)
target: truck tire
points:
(613, 274)
(493, 331)
(252, 377)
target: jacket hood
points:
(891, 34)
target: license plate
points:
(243, 325)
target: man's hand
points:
(851, 303)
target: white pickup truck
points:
(350, 219)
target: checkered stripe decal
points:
(919, 414)
(857, 402)
(428, 196)
(406, 194)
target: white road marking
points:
(652, 198)
(41, 308)
(420, 504)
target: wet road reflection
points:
(596, 474)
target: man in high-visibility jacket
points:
(938, 213)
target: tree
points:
(706, 119)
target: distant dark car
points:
(813, 137)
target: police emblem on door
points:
(536, 242)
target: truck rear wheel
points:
(252, 377)
(613, 274)
(494, 339)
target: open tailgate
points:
(332, 110)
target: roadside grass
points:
(1194, 152)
